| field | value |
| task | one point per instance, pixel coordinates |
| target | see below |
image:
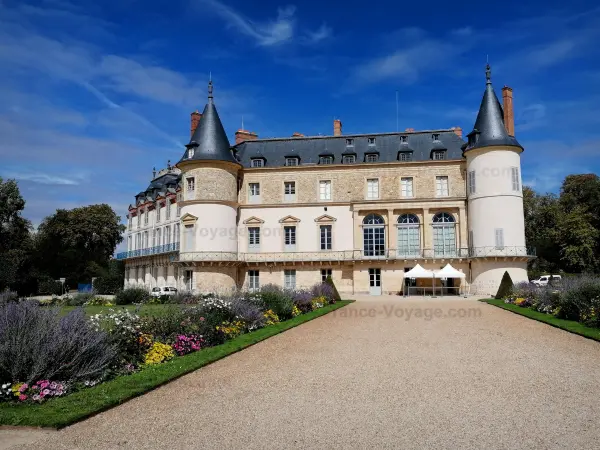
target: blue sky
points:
(94, 94)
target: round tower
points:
(495, 199)
(209, 185)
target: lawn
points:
(60, 412)
(142, 310)
(567, 325)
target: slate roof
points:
(308, 149)
(489, 126)
(209, 140)
(164, 184)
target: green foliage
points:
(78, 299)
(109, 284)
(506, 286)
(278, 300)
(336, 294)
(48, 286)
(132, 295)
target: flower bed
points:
(87, 352)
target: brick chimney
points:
(457, 131)
(296, 134)
(195, 120)
(337, 127)
(243, 135)
(409, 130)
(509, 115)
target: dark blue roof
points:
(308, 149)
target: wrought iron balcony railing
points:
(159, 249)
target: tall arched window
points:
(444, 234)
(374, 235)
(409, 242)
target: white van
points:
(545, 279)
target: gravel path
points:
(489, 380)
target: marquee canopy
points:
(418, 272)
(449, 272)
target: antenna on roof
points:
(396, 110)
(242, 122)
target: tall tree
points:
(578, 240)
(15, 241)
(77, 244)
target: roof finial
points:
(153, 173)
(169, 164)
(488, 74)
(210, 90)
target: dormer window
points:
(371, 141)
(190, 153)
(291, 161)
(438, 155)
(403, 139)
(349, 142)
(257, 162)
(325, 159)
(435, 137)
(405, 156)
(349, 159)
(371, 157)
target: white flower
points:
(4, 386)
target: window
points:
(158, 236)
(253, 280)
(158, 208)
(374, 235)
(324, 274)
(289, 279)
(371, 141)
(406, 185)
(189, 238)
(409, 236)
(371, 157)
(254, 192)
(403, 139)
(138, 220)
(325, 237)
(191, 184)
(289, 191)
(145, 239)
(167, 235)
(291, 161)
(168, 209)
(257, 162)
(373, 188)
(471, 181)
(190, 153)
(289, 238)
(349, 159)
(441, 186)
(326, 160)
(349, 142)
(176, 236)
(438, 155)
(188, 280)
(130, 222)
(499, 232)
(129, 243)
(435, 137)
(405, 156)
(153, 238)
(145, 217)
(325, 190)
(516, 181)
(471, 239)
(254, 239)
(444, 235)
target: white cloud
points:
(43, 178)
(320, 34)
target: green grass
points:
(60, 412)
(142, 310)
(567, 325)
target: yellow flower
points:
(158, 354)
(271, 317)
(296, 311)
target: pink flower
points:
(46, 391)
(22, 397)
(23, 388)
(53, 385)
(35, 387)
(201, 319)
(36, 398)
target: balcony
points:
(158, 250)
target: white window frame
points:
(407, 187)
(290, 238)
(405, 156)
(371, 141)
(348, 159)
(190, 153)
(471, 178)
(372, 188)
(349, 142)
(158, 206)
(289, 191)
(325, 273)
(515, 179)
(167, 235)
(326, 237)
(438, 155)
(158, 237)
(253, 192)
(190, 184)
(291, 161)
(253, 239)
(326, 160)
(253, 280)
(442, 186)
(324, 190)
(177, 233)
(257, 162)
(289, 279)
(499, 238)
(371, 157)
(168, 209)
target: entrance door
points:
(375, 281)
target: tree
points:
(506, 286)
(578, 240)
(77, 244)
(336, 294)
(15, 240)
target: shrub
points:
(132, 295)
(48, 286)
(37, 343)
(336, 294)
(187, 344)
(99, 301)
(506, 286)
(8, 297)
(326, 290)
(183, 298)
(579, 300)
(276, 299)
(302, 300)
(108, 285)
(248, 309)
(78, 299)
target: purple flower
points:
(46, 391)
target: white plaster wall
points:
(307, 230)
(215, 229)
(488, 274)
(495, 204)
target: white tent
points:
(418, 272)
(449, 272)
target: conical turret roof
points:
(489, 129)
(209, 141)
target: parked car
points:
(160, 291)
(544, 280)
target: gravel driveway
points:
(366, 377)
